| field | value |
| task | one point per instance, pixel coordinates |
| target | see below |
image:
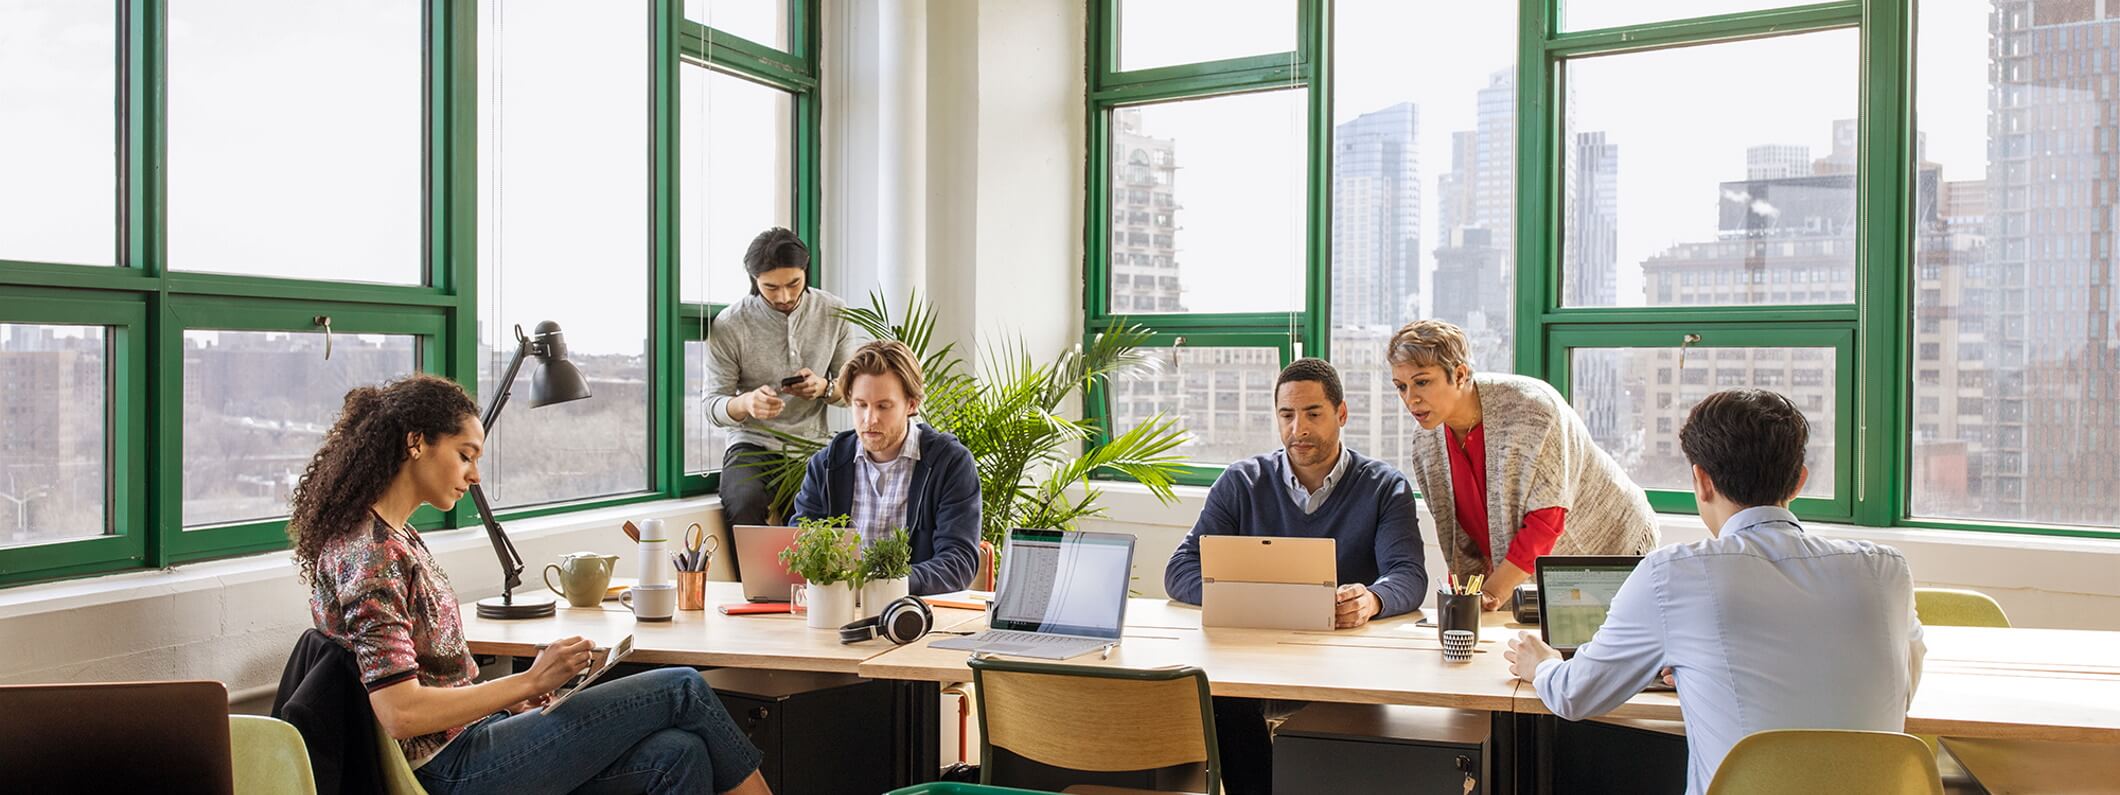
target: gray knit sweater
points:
(1539, 455)
(752, 344)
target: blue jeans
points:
(654, 732)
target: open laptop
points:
(1062, 594)
(1575, 592)
(758, 562)
(1267, 582)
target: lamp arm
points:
(511, 562)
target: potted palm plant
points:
(826, 554)
(1035, 465)
(886, 567)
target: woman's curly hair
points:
(363, 452)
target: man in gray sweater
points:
(771, 358)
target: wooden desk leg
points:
(919, 733)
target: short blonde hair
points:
(1431, 343)
(882, 357)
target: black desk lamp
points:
(554, 381)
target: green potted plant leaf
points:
(886, 567)
(827, 554)
(1037, 467)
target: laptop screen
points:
(1064, 583)
(1574, 594)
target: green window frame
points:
(1305, 331)
(146, 308)
(1870, 334)
(795, 70)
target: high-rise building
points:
(1775, 161)
(1144, 207)
(1591, 278)
(1475, 262)
(52, 434)
(2053, 224)
(1376, 218)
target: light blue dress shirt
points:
(1765, 627)
(1304, 498)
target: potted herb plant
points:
(827, 554)
(886, 566)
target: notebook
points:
(1062, 594)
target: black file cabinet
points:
(1342, 748)
(821, 733)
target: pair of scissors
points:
(699, 547)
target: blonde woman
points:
(1507, 467)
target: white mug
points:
(650, 602)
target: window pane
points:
(762, 21)
(563, 193)
(54, 438)
(1776, 157)
(737, 177)
(1223, 397)
(1411, 243)
(295, 139)
(1635, 400)
(2015, 375)
(59, 144)
(1156, 33)
(1593, 14)
(257, 405)
(704, 442)
(1377, 423)
(1224, 231)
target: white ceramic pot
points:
(877, 593)
(830, 606)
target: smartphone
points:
(792, 380)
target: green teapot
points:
(583, 577)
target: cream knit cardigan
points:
(1539, 455)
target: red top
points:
(1468, 488)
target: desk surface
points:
(1392, 661)
(695, 637)
(2034, 684)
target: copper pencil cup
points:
(691, 590)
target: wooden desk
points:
(695, 637)
(2060, 685)
(1392, 661)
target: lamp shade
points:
(555, 380)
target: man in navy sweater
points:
(891, 472)
(1313, 487)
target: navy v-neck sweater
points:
(1369, 514)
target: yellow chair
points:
(269, 757)
(1952, 607)
(1828, 761)
(1093, 718)
(397, 771)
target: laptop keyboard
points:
(1023, 639)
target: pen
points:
(1453, 584)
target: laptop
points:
(758, 562)
(1575, 591)
(1062, 594)
(1264, 582)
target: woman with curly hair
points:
(376, 590)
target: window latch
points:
(325, 322)
(1685, 342)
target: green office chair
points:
(1952, 607)
(270, 758)
(1827, 762)
(397, 771)
(1095, 718)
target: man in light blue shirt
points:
(1762, 626)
